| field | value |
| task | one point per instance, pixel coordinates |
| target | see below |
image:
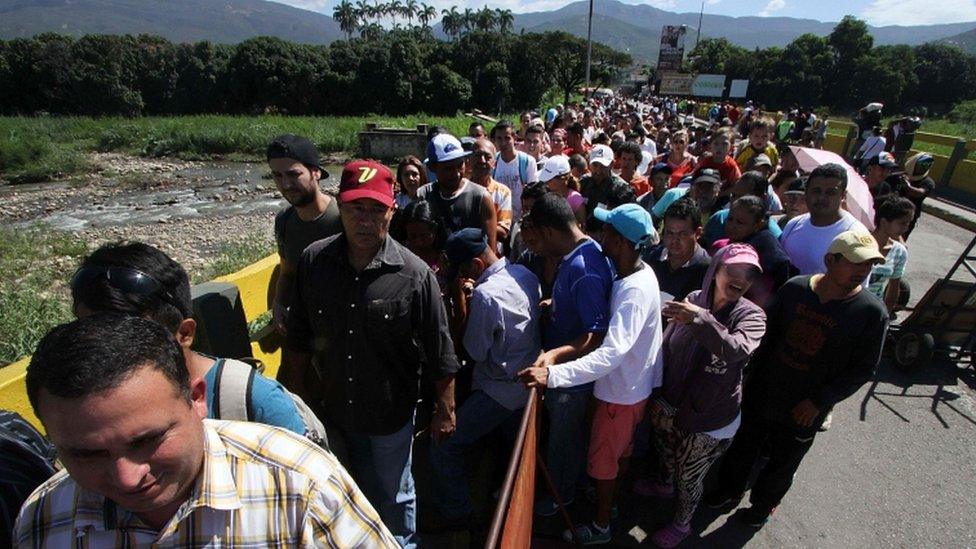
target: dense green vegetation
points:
(845, 70)
(401, 71)
(41, 148)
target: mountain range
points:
(632, 28)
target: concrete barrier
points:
(223, 308)
(391, 144)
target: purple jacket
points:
(703, 361)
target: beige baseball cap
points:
(856, 247)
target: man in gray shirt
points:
(502, 337)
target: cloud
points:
(712, 2)
(773, 5)
(919, 12)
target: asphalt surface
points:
(896, 469)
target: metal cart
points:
(943, 321)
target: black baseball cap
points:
(296, 147)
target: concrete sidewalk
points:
(951, 212)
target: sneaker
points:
(589, 534)
(652, 489)
(827, 422)
(671, 535)
(548, 508)
(721, 500)
(754, 517)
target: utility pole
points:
(589, 50)
(700, 15)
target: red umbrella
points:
(858, 201)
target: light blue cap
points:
(630, 220)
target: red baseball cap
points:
(366, 179)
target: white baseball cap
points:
(554, 167)
(444, 147)
(601, 154)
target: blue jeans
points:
(477, 417)
(380, 464)
(566, 454)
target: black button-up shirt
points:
(370, 333)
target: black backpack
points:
(26, 460)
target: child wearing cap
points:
(626, 367)
(711, 335)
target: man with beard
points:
(310, 215)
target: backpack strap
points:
(523, 159)
(232, 390)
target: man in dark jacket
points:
(823, 342)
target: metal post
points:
(846, 151)
(701, 14)
(959, 152)
(589, 50)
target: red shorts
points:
(612, 437)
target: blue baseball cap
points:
(463, 246)
(630, 220)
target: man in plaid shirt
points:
(144, 468)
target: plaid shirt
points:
(260, 487)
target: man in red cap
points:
(367, 319)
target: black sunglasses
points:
(125, 279)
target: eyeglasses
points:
(125, 279)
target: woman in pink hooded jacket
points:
(710, 337)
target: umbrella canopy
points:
(858, 200)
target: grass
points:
(35, 264)
(44, 148)
(234, 256)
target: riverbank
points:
(213, 218)
(40, 149)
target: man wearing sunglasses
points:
(140, 280)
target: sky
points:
(875, 12)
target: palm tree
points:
(365, 11)
(426, 14)
(467, 20)
(484, 19)
(347, 16)
(410, 9)
(370, 30)
(452, 22)
(506, 21)
(393, 9)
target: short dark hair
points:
(501, 125)
(577, 161)
(829, 171)
(552, 211)
(535, 128)
(632, 148)
(475, 125)
(684, 208)
(534, 190)
(100, 295)
(754, 205)
(892, 207)
(99, 352)
(618, 195)
(758, 184)
(575, 128)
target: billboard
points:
(738, 88)
(708, 85)
(672, 50)
(676, 84)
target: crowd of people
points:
(678, 291)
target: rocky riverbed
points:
(191, 210)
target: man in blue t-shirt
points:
(576, 321)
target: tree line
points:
(368, 19)
(845, 70)
(396, 71)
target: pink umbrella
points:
(858, 201)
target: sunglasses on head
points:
(124, 279)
